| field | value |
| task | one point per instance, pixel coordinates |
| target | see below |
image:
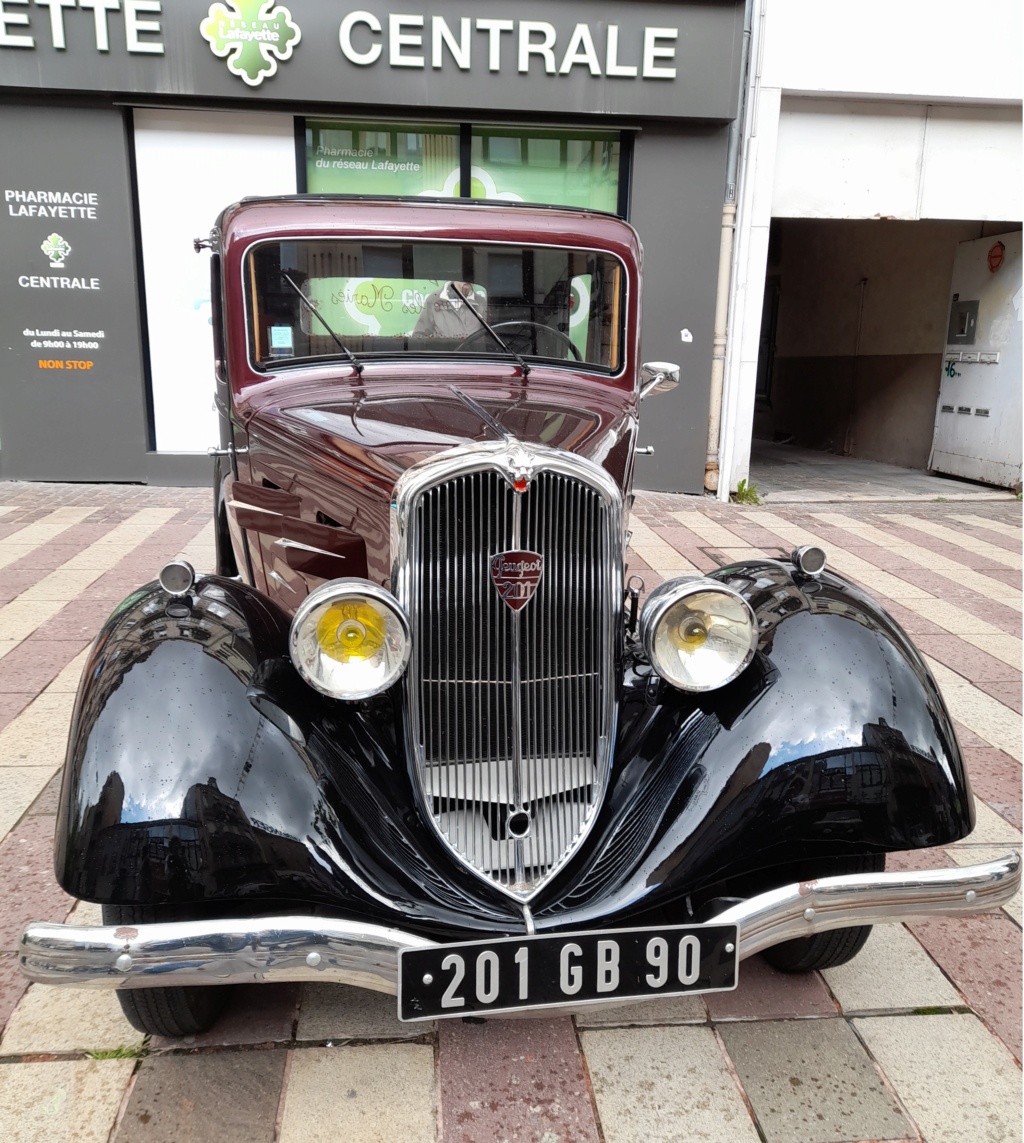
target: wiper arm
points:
(357, 365)
(490, 329)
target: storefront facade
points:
(127, 125)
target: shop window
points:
(374, 158)
(568, 168)
(564, 167)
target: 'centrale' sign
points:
(414, 42)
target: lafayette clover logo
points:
(253, 34)
(56, 249)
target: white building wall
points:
(884, 108)
(192, 164)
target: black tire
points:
(178, 1011)
(826, 950)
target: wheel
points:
(826, 950)
(177, 1011)
(527, 339)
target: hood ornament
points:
(516, 575)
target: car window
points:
(309, 297)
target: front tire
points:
(177, 1011)
(826, 950)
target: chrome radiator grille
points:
(512, 710)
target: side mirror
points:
(658, 377)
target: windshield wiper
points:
(357, 365)
(490, 329)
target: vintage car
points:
(420, 731)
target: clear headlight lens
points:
(698, 634)
(350, 639)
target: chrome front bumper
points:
(268, 950)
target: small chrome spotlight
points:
(177, 577)
(810, 559)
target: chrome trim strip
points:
(532, 462)
(274, 949)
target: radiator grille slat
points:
(512, 724)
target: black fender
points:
(834, 741)
(202, 771)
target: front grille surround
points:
(510, 711)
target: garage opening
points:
(854, 334)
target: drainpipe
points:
(721, 332)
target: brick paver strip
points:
(973, 545)
(812, 1080)
(764, 993)
(1007, 535)
(255, 1014)
(13, 986)
(997, 779)
(982, 957)
(30, 890)
(230, 1097)
(513, 1079)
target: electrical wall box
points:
(988, 358)
(963, 322)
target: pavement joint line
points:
(960, 539)
(587, 1079)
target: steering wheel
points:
(525, 339)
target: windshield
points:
(309, 297)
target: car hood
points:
(373, 431)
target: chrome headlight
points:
(698, 633)
(350, 639)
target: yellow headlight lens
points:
(690, 632)
(350, 639)
(698, 634)
(351, 631)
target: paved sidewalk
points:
(919, 1038)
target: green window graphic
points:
(565, 167)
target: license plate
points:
(510, 974)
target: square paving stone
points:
(665, 1085)
(810, 1081)
(381, 1093)
(892, 971)
(64, 1101)
(231, 1097)
(338, 1012)
(513, 1080)
(52, 1019)
(764, 993)
(670, 1010)
(956, 1079)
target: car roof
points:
(320, 215)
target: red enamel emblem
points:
(516, 575)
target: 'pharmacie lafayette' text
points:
(51, 204)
